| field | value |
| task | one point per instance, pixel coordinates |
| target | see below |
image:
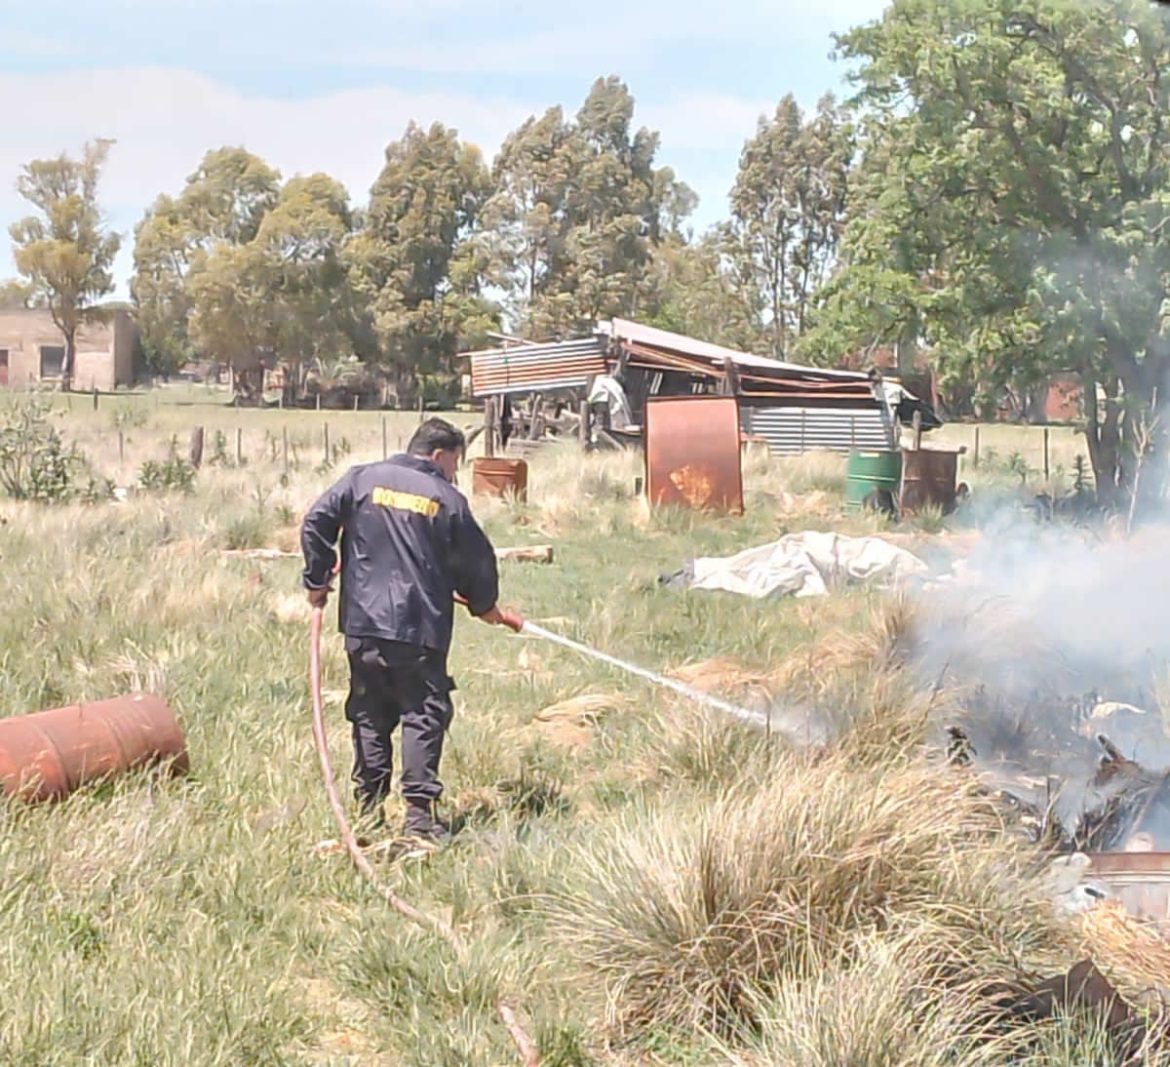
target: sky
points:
(324, 85)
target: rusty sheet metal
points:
(537, 368)
(793, 430)
(634, 333)
(1140, 880)
(693, 453)
(49, 754)
(929, 479)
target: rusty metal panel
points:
(47, 755)
(928, 479)
(1140, 880)
(693, 453)
(793, 430)
(537, 368)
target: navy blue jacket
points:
(409, 543)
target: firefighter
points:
(409, 545)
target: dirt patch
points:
(344, 1037)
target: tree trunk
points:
(1036, 404)
(1103, 434)
(67, 362)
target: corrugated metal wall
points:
(792, 430)
(537, 368)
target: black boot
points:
(422, 825)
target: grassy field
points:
(648, 884)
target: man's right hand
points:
(318, 598)
(511, 619)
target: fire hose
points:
(524, 1044)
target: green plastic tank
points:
(868, 472)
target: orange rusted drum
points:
(49, 754)
(500, 477)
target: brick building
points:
(32, 350)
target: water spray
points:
(756, 718)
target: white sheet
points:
(806, 564)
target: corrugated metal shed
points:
(652, 337)
(537, 368)
(791, 430)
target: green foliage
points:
(1010, 210)
(36, 463)
(788, 213)
(219, 454)
(697, 293)
(173, 475)
(578, 211)
(242, 270)
(414, 264)
(15, 294)
(64, 250)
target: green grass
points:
(192, 922)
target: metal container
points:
(1140, 880)
(692, 453)
(47, 755)
(928, 479)
(869, 472)
(500, 477)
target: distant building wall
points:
(31, 349)
(1063, 403)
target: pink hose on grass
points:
(524, 1044)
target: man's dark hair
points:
(436, 435)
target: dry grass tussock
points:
(1132, 953)
(571, 722)
(688, 921)
(848, 651)
(881, 1006)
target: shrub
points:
(172, 475)
(37, 464)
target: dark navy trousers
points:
(392, 683)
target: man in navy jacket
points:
(409, 545)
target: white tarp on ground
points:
(806, 564)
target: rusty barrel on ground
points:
(929, 479)
(500, 477)
(49, 754)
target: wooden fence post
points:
(489, 427)
(195, 450)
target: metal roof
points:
(651, 337)
(537, 368)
